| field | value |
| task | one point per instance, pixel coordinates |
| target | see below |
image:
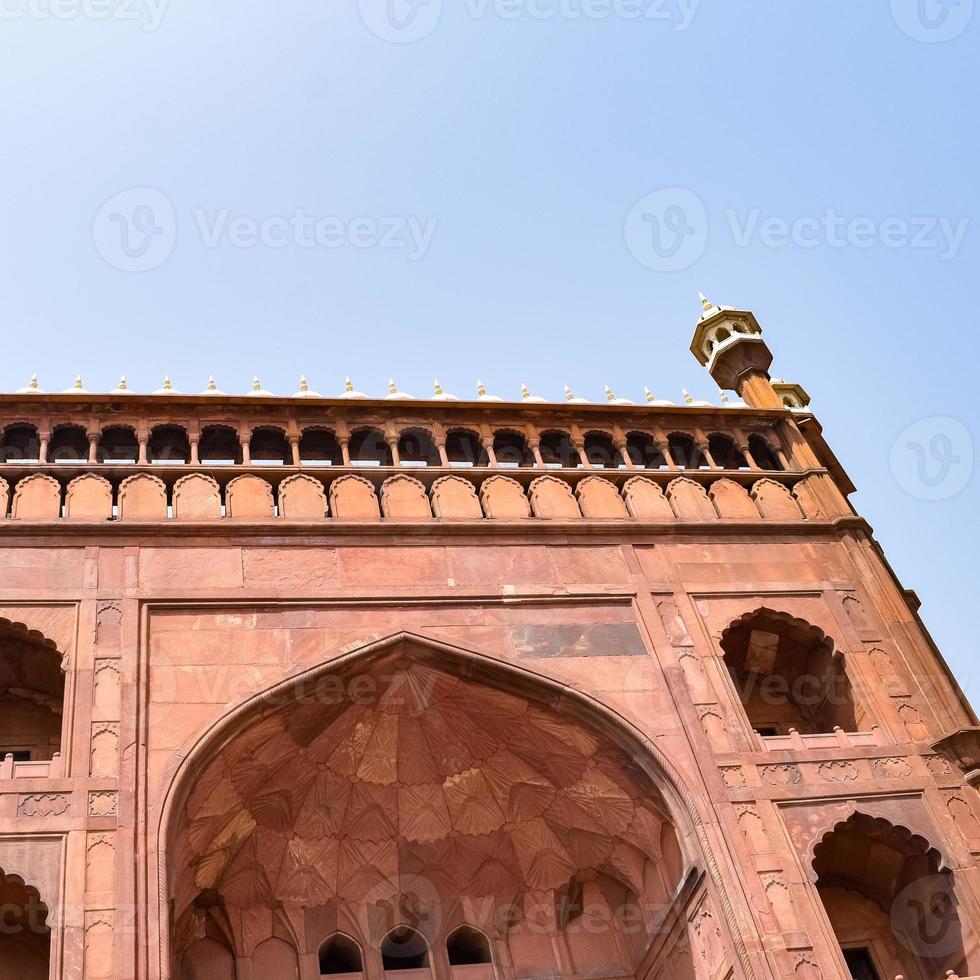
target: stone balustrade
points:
(41, 769)
(345, 495)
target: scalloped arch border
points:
(645, 752)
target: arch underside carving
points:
(482, 788)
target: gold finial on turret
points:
(78, 383)
(122, 383)
(348, 385)
(256, 384)
(525, 392)
(303, 384)
(650, 396)
(392, 387)
(437, 389)
(688, 397)
(481, 389)
(212, 384)
(725, 400)
(610, 394)
(33, 383)
(706, 303)
(167, 385)
(569, 394)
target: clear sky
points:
(520, 191)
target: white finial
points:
(122, 382)
(481, 389)
(569, 394)
(33, 383)
(688, 397)
(725, 400)
(706, 303)
(525, 392)
(651, 397)
(256, 384)
(212, 384)
(348, 385)
(438, 389)
(32, 388)
(392, 387)
(610, 394)
(303, 383)
(78, 383)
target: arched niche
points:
(32, 696)
(464, 748)
(789, 675)
(891, 901)
(25, 939)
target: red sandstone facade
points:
(454, 690)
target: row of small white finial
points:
(394, 394)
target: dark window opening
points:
(69, 444)
(511, 450)
(767, 731)
(557, 450)
(19, 755)
(465, 448)
(219, 446)
(601, 451)
(20, 444)
(268, 447)
(32, 694)
(644, 452)
(339, 954)
(320, 447)
(860, 964)
(763, 454)
(368, 447)
(168, 445)
(467, 946)
(416, 447)
(726, 454)
(684, 451)
(404, 949)
(118, 444)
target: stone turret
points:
(728, 342)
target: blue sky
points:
(520, 191)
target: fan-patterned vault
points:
(409, 771)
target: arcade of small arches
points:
(412, 446)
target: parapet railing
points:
(41, 769)
(391, 493)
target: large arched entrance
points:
(359, 818)
(25, 937)
(890, 900)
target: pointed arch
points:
(689, 832)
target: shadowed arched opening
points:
(684, 451)
(601, 451)
(219, 445)
(268, 447)
(890, 900)
(32, 694)
(340, 954)
(788, 675)
(464, 448)
(725, 453)
(511, 449)
(118, 444)
(404, 949)
(25, 936)
(319, 447)
(168, 444)
(20, 443)
(467, 946)
(644, 451)
(69, 444)
(416, 447)
(414, 775)
(557, 450)
(762, 452)
(368, 447)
